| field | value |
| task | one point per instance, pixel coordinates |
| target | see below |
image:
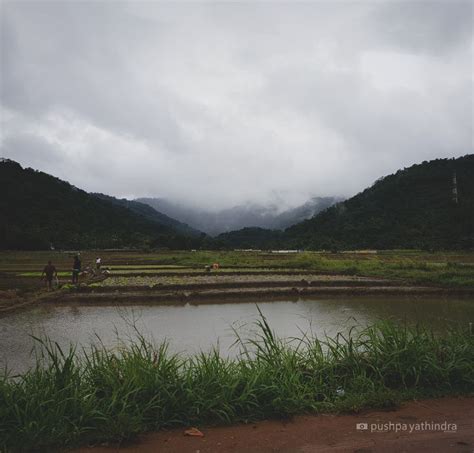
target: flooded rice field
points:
(191, 327)
(170, 296)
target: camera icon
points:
(362, 426)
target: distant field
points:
(22, 270)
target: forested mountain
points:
(429, 206)
(413, 208)
(38, 210)
(148, 212)
(305, 211)
(248, 215)
(250, 238)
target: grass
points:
(416, 271)
(447, 269)
(111, 395)
(149, 266)
(38, 274)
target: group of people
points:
(50, 273)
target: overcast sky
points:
(217, 104)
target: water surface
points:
(191, 328)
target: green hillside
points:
(38, 210)
(151, 214)
(249, 238)
(413, 208)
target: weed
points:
(101, 395)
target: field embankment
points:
(135, 276)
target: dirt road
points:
(442, 425)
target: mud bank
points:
(329, 433)
(12, 300)
(229, 286)
(161, 297)
(236, 284)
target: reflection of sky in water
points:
(191, 328)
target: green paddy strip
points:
(38, 274)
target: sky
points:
(220, 104)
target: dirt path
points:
(330, 433)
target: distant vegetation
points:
(250, 215)
(248, 238)
(150, 213)
(114, 395)
(38, 211)
(411, 209)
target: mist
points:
(221, 104)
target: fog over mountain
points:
(237, 217)
(213, 104)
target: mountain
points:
(306, 211)
(37, 210)
(244, 216)
(413, 208)
(250, 238)
(149, 213)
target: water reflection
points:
(191, 328)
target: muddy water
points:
(191, 328)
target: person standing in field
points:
(76, 269)
(49, 272)
(98, 263)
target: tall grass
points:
(70, 398)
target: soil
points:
(327, 433)
(205, 296)
(230, 286)
(187, 273)
(222, 280)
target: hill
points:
(413, 208)
(38, 210)
(306, 211)
(249, 238)
(247, 215)
(149, 213)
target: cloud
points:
(433, 27)
(216, 104)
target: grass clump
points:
(104, 395)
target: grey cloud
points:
(425, 26)
(31, 151)
(218, 104)
(72, 55)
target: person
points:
(49, 272)
(98, 263)
(76, 269)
